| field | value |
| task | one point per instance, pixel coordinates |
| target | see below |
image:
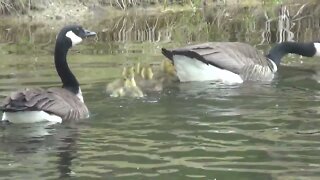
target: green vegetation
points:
(145, 30)
(21, 7)
(8, 7)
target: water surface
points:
(200, 130)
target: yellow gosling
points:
(149, 73)
(138, 68)
(167, 67)
(131, 88)
(124, 72)
(118, 92)
(126, 86)
(118, 83)
(146, 73)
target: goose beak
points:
(89, 33)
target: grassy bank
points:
(123, 31)
(68, 11)
(23, 7)
(55, 12)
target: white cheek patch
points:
(74, 38)
(317, 46)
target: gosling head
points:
(138, 68)
(127, 72)
(128, 77)
(129, 82)
(149, 73)
(124, 72)
(130, 72)
(146, 72)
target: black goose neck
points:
(69, 81)
(282, 49)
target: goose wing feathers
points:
(232, 56)
(58, 101)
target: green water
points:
(190, 131)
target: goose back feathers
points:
(58, 101)
(238, 58)
(233, 61)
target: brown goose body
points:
(53, 104)
(232, 61)
(55, 101)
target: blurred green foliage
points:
(146, 31)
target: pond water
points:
(191, 131)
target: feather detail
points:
(57, 101)
(239, 58)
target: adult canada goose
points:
(53, 104)
(233, 62)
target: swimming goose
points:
(146, 79)
(167, 72)
(53, 104)
(118, 83)
(153, 78)
(126, 86)
(233, 62)
(129, 89)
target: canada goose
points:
(129, 89)
(146, 81)
(233, 62)
(152, 79)
(118, 83)
(126, 86)
(167, 72)
(137, 69)
(167, 67)
(53, 104)
(147, 72)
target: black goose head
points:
(72, 35)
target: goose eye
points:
(77, 31)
